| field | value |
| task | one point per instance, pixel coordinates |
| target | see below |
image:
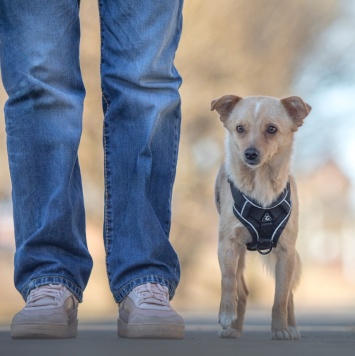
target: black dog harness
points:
(264, 224)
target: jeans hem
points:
(121, 294)
(38, 282)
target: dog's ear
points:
(225, 105)
(297, 109)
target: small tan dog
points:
(256, 197)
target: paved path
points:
(323, 334)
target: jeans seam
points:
(107, 195)
(104, 96)
(106, 153)
(106, 189)
(174, 164)
(106, 100)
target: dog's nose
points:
(251, 154)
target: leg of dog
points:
(284, 270)
(242, 293)
(291, 320)
(228, 255)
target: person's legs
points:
(39, 49)
(141, 135)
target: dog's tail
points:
(297, 272)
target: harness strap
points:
(265, 224)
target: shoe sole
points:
(150, 331)
(44, 331)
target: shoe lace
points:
(45, 295)
(151, 293)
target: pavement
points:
(323, 333)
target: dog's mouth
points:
(252, 164)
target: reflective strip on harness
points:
(265, 224)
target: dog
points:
(254, 178)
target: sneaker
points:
(146, 313)
(50, 312)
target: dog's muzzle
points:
(251, 156)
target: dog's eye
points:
(271, 129)
(240, 129)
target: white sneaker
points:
(50, 312)
(146, 313)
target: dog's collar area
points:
(264, 224)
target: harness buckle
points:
(264, 246)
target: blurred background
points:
(260, 47)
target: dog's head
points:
(261, 127)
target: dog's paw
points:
(226, 319)
(229, 333)
(291, 333)
(281, 335)
(295, 334)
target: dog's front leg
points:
(284, 270)
(228, 256)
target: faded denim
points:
(39, 54)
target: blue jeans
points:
(40, 69)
